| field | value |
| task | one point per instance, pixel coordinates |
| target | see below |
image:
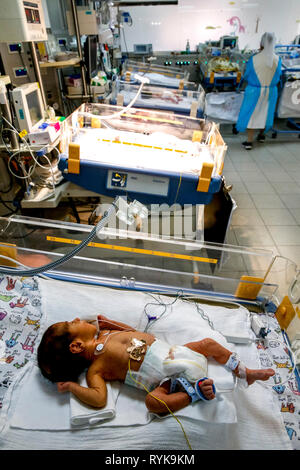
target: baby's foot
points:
(258, 374)
(206, 388)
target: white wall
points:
(168, 27)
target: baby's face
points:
(81, 329)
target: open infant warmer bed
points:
(180, 291)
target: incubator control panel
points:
(138, 183)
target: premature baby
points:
(173, 376)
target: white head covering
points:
(268, 43)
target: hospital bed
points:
(190, 103)
(223, 107)
(150, 283)
(158, 75)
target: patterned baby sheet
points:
(286, 381)
(21, 315)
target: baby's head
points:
(56, 358)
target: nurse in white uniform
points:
(262, 75)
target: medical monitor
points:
(142, 48)
(22, 21)
(28, 106)
(228, 41)
(91, 55)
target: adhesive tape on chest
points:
(99, 347)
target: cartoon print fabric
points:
(286, 388)
(20, 320)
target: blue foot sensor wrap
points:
(181, 384)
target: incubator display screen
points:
(32, 15)
(34, 107)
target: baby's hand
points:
(63, 386)
(101, 317)
(102, 321)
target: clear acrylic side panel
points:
(129, 259)
(154, 93)
(240, 58)
(170, 77)
(83, 127)
(143, 67)
(285, 273)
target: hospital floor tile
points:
(277, 217)
(253, 175)
(231, 175)
(285, 235)
(245, 165)
(291, 166)
(278, 176)
(268, 166)
(295, 175)
(257, 236)
(285, 188)
(246, 217)
(291, 200)
(267, 201)
(259, 187)
(296, 215)
(238, 187)
(290, 252)
(244, 201)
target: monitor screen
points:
(229, 42)
(91, 55)
(34, 107)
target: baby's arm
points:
(96, 393)
(108, 324)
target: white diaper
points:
(183, 362)
(162, 361)
(151, 372)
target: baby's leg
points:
(157, 400)
(210, 348)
